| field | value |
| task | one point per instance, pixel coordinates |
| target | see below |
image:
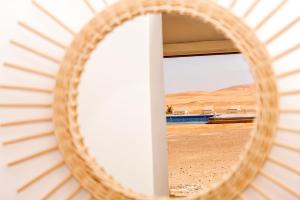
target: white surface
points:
(115, 106)
(158, 120)
(10, 11)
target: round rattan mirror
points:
(53, 141)
(212, 102)
(92, 177)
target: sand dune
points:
(243, 95)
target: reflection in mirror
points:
(210, 104)
(166, 105)
(210, 108)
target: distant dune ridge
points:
(222, 99)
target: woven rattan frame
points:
(86, 170)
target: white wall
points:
(158, 121)
(10, 11)
(115, 106)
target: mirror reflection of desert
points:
(201, 154)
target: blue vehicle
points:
(188, 119)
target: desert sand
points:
(201, 154)
(243, 95)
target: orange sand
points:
(200, 154)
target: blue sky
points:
(205, 73)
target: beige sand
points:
(200, 154)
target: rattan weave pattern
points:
(86, 170)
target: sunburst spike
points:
(51, 16)
(25, 88)
(288, 93)
(284, 165)
(280, 184)
(29, 70)
(57, 187)
(40, 176)
(105, 2)
(251, 8)
(282, 31)
(292, 130)
(35, 52)
(25, 122)
(232, 4)
(292, 111)
(260, 191)
(241, 197)
(29, 137)
(273, 12)
(74, 193)
(89, 5)
(42, 35)
(289, 73)
(32, 156)
(287, 146)
(285, 52)
(25, 105)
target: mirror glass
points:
(166, 105)
(210, 110)
(210, 104)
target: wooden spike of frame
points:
(32, 156)
(289, 73)
(280, 184)
(25, 105)
(55, 19)
(232, 4)
(284, 165)
(40, 176)
(288, 93)
(266, 19)
(57, 187)
(241, 197)
(251, 8)
(292, 130)
(42, 35)
(35, 52)
(29, 137)
(282, 31)
(287, 146)
(285, 52)
(29, 70)
(260, 191)
(74, 193)
(26, 88)
(89, 5)
(291, 111)
(25, 122)
(105, 2)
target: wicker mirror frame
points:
(86, 170)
